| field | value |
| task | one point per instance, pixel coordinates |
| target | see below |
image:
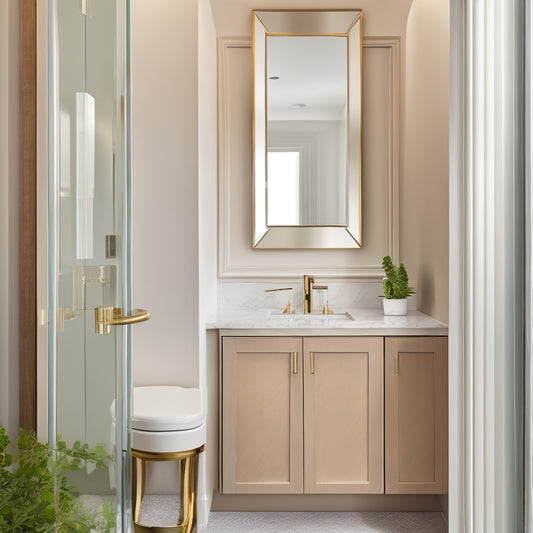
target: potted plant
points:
(395, 288)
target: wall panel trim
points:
(227, 267)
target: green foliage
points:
(396, 284)
(34, 493)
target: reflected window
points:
(283, 188)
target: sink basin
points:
(318, 317)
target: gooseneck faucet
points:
(309, 286)
(308, 293)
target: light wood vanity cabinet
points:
(302, 415)
(262, 410)
(343, 415)
(334, 415)
(416, 415)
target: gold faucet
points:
(308, 293)
(288, 309)
(309, 286)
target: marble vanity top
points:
(365, 322)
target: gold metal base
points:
(138, 528)
(188, 480)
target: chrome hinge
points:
(110, 246)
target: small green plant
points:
(396, 282)
(34, 493)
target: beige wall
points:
(174, 116)
(164, 52)
(405, 150)
(424, 178)
(9, 216)
(236, 256)
(382, 17)
(381, 155)
(174, 186)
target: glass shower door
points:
(89, 256)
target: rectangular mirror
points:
(307, 129)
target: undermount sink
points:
(312, 316)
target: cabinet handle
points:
(396, 364)
(294, 357)
(312, 354)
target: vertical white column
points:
(486, 266)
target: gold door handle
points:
(294, 361)
(313, 362)
(105, 317)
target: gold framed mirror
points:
(307, 129)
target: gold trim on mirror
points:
(301, 235)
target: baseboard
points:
(443, 498)
(325, 502)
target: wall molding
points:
(393, 172)
(227, 267)
(225, 45)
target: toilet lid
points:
(166, 408)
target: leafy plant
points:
(396, 284)
(34, 492)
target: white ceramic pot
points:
(395, 307)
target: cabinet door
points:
(262, 415)
(343, 411)
(416, 415)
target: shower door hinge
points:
(110, 246)
(84, 7)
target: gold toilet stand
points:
(188, 480)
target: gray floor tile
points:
(162, 510)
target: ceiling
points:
(312, 78)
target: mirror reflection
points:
(307, 110)
(306, 98)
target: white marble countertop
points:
(368, 322)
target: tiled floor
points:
(161, 510)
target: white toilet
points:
(168, 424)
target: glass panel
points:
(89, 373)
(528, 455)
